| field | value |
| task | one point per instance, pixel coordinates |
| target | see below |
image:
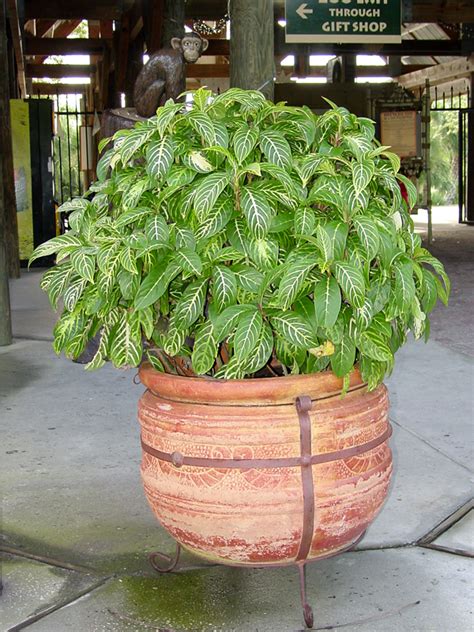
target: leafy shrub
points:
(244, 238)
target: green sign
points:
(341, 21)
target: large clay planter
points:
(236, 475)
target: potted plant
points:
(259, 265)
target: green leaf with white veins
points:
(191, 304)
(362, 173)
(224, 284)
(293, 280)
(262, 352)
(244, 140)
(217, 218)
(325, 244)
(404, 285)
(305, 221)
(327, 302)
(257, 211)
(189, 261)
(83, 264)
(159, 157)
(351, 281)
(156, 283)
(156, 229)
(294, 328)
(276, 148)
(207, 191)
(205, 349)
(368, 234)
(247, 333)
(204, 126)
(342, 360)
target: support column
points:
(5, 316)
(9, 233)
(173, 21)
(251, 45)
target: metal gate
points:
(73, 146)
(462, 104)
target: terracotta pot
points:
(237, 476)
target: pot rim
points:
(246, 392)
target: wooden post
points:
(173, 21)
(251, 45)
(9, 232)
(5, 316)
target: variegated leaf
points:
(244, 140)
(276, 148)
(159, 157)
(351, 281)
(257, 211)
(224, 285)
(247, 333)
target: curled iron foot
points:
(307, 610)
(156, 560)
(308, 615)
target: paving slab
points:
(377, 591)
(459, 537)
(426, 488)
(31, 588)
(432, 395)
(70, 459)
(32, 316)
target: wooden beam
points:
(64, 46)
(58, 71)
(201, 71)
(454, 48)
(153, 11)
(57, 88)
(76, 9)
(206, 9)
(61, 28)
(17, 36)
(218, 47)
(441, 73)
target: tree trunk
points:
(251, 45)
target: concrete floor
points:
(77, 529)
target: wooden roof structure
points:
(438, 43)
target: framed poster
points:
(399, 130)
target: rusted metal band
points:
(303, 406)
(178, 459)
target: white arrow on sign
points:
(302, 11)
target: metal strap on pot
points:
(303, 406)
(178, 459)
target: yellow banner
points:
(20, 123)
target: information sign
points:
(342, 21)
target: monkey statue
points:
(164, 75)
